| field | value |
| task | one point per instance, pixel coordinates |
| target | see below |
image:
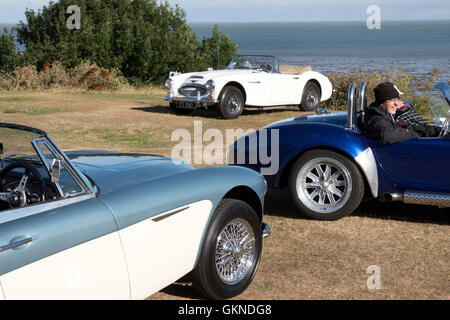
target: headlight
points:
(210, 85)
(169, 83)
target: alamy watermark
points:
(374, 20)
(258, 147)
(74, 20)
(374, 280)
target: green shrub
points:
(26, 77)
(54, 75)
(342, 80)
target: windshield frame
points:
(274, 62)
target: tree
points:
(218, 50)
(9, 58)
(141, 38)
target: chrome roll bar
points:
(362, 98)
(356, 104)
(351, 112)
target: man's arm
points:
(386, 132)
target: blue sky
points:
(11, 11)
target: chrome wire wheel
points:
(312, 98)
(324, 185)
(233, 103)
(235, 251)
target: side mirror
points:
(55, 170)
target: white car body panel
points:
(2, 296)
(157, 252)
(75, 273)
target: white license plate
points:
(185, 105)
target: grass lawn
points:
(302, 259)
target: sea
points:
(416, 47)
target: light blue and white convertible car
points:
(107, 225)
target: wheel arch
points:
(314, 80)
(237, 85)
(284, 176)
(249, 196)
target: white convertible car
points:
(248, 81)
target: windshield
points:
(439, 103)
(264, 63)
(17, 143)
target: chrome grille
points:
(192, 91)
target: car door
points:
(258, 87)
(287, 89)
(63, 249)
(420, 163)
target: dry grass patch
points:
(302, 259)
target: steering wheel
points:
(20, 196)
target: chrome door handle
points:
(254, 82)
(16, 244)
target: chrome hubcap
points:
(324, 185)
(235, 251)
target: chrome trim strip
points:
(15, 244)
(19, 213)
(366, 161)
(166, 215)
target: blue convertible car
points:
(107, 225)
(329, 164)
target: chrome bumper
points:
(265, 230)
(205, 101)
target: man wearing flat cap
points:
(380, 122)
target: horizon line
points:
(292, 21)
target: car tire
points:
(325, 185)
(310, 97)
(231, 103)
(179, 111)
(232, 222)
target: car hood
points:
(113, 170)
(323, 116)
(204, 76)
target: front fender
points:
(298, 139)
